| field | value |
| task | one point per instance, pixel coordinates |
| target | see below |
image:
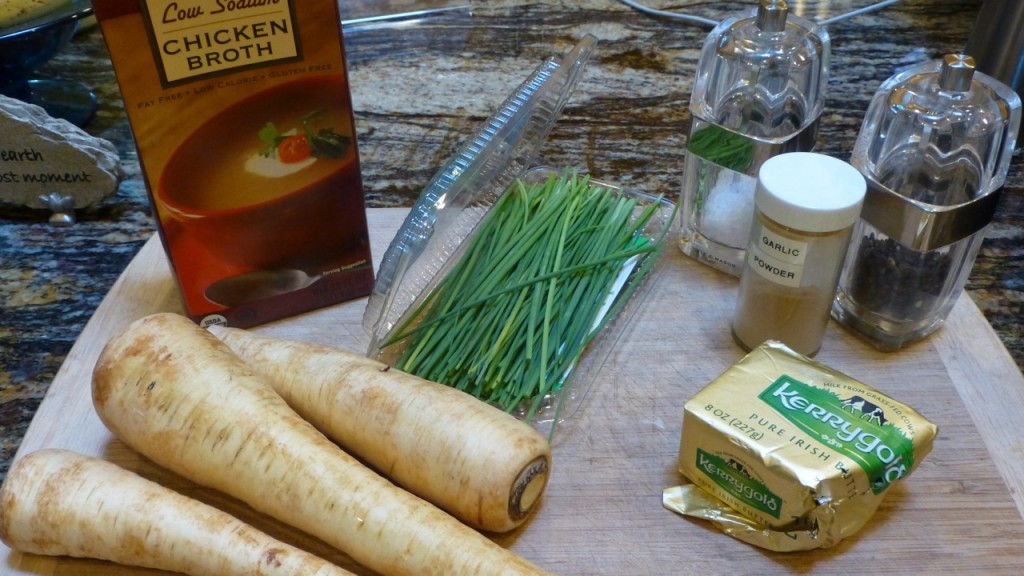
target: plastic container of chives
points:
(541, 362)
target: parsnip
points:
(180, 396)
(477, 462)
(59, 503)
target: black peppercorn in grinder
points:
(934, 147)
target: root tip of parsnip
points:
(528, 487)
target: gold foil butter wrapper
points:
(788, 454)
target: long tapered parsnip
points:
(477, 462)
(180, 396)
(60, 503)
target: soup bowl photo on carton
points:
(225, 187)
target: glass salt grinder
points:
(935, 147)
(759, 92)
(806, 206)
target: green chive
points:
(511, 319)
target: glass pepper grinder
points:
(759, 92)
(934, 147)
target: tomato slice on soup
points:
(294, 149)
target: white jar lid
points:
(810, 192)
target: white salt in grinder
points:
(934, 147)
(759, 92)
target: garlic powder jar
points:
(805, 207)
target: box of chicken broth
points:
(242, 117)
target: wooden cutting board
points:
(960, 512)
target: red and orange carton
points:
(242, 117)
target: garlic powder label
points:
(777, 258)
(197, 38)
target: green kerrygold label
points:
(853, 426)
(733, 480)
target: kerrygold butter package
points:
(243, 121)
(788, 454)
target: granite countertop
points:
(420, 88)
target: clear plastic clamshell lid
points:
(461, 193)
